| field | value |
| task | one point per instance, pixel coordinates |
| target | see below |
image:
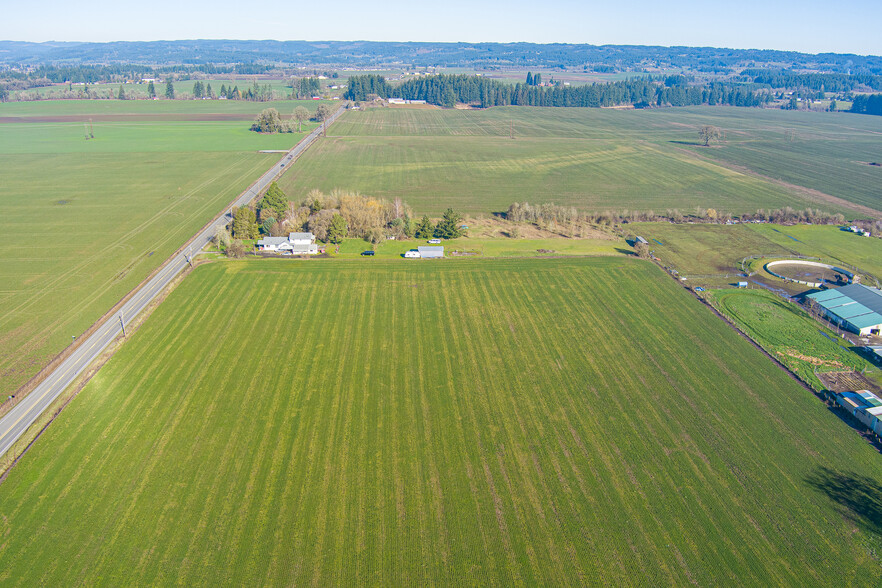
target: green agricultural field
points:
(828, 152)
(494, 247)
(705, 249)
(504, 422)
(83, 222)
(595, 159)
(139, 90)
(788, 333)
(134, 108)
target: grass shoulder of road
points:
(789, 334)
(536, 421)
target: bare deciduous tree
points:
(708, 133)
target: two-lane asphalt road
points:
(23, 415)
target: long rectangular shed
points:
(856, 308)
(430, 252)
(864, 406)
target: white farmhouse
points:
(293, 244)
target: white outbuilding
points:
(429, 252)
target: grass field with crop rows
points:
(789, 334)
(599, 159)
(84, 221)
(502, 422)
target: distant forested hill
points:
(606, 58)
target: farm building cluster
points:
(856, 308)
(864, 406)
(293, 244)
(402, 101)
(858, 231)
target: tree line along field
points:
(139, 91)
(507, 422)
(599, 159)
(84, 221)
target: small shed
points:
(742, 284)
(430, 252)
(642, 240)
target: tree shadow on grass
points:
(858, 497)
(690, 143)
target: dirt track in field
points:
(206, 117)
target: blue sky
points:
(813, 26)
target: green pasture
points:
(487, 174)
(596, 159)
(788, 333)
(488, 247)
(139, 137)
(43, 108)
(499, 422)
(84, 221)
(703, 249)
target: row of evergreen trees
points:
(447, 90)
(363, 87)
(820, 82)
(305, 87)
(864, 104)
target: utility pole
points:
(122, 324)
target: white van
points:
(434, 241)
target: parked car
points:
(434, 241)
(368, 253)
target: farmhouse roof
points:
(272, 240)
(301, 236)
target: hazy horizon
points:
(169, 40)
(807, 26)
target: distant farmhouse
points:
(293, 244)
(856, 308)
